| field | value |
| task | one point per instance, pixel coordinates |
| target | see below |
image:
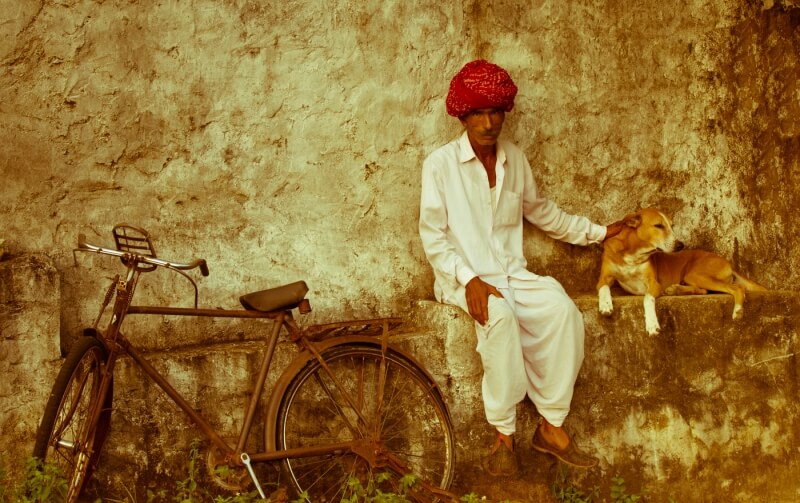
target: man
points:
(475, 192)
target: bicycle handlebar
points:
(88, 247)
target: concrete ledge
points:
(708, 407)
(29, 351)
(706, 411)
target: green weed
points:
(564, 491)
(41, 484)
(618, 491)
(189, 490)
(46, 484)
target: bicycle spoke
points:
(68, 447)
(64, 420)
(318, 481)
(336, 406)
(399, 411)
(65, 437)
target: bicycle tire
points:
(61, 438)
(414, 424)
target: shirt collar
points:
(465, 152)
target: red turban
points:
(480, 84)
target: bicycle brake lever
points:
(81, 246)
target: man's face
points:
(484, 125)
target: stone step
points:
(709, 405)
(705, 411)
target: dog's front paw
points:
(605, 304)
(650, 317)
(672, 290)
(737, 312)
(606, 308)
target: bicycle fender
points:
(306, 356)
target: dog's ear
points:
(633, 220)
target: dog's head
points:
(653, 230)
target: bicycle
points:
(348, 405)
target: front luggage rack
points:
(132, 239)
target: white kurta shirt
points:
(464, 238)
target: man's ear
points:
(633, 220)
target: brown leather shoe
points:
(570, 455)
(501, 461)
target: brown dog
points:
(641, 259)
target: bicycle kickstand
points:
(246, 461)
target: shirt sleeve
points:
(554, 221)
(433, 229)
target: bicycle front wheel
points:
(392, 407)
(63, 438)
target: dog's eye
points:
(659, 226)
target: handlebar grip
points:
(203, 267)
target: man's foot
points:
(502, 460)
(568, 454)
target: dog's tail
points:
(749, 285)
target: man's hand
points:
(478, 292)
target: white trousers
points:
(532, 344)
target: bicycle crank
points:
(232, 478)
(246, 461)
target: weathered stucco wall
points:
(284, 141)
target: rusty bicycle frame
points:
(313, 341)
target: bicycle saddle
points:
(275, 299)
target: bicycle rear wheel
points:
(63, 438)
(407, 423)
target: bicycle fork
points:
(84, 445)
